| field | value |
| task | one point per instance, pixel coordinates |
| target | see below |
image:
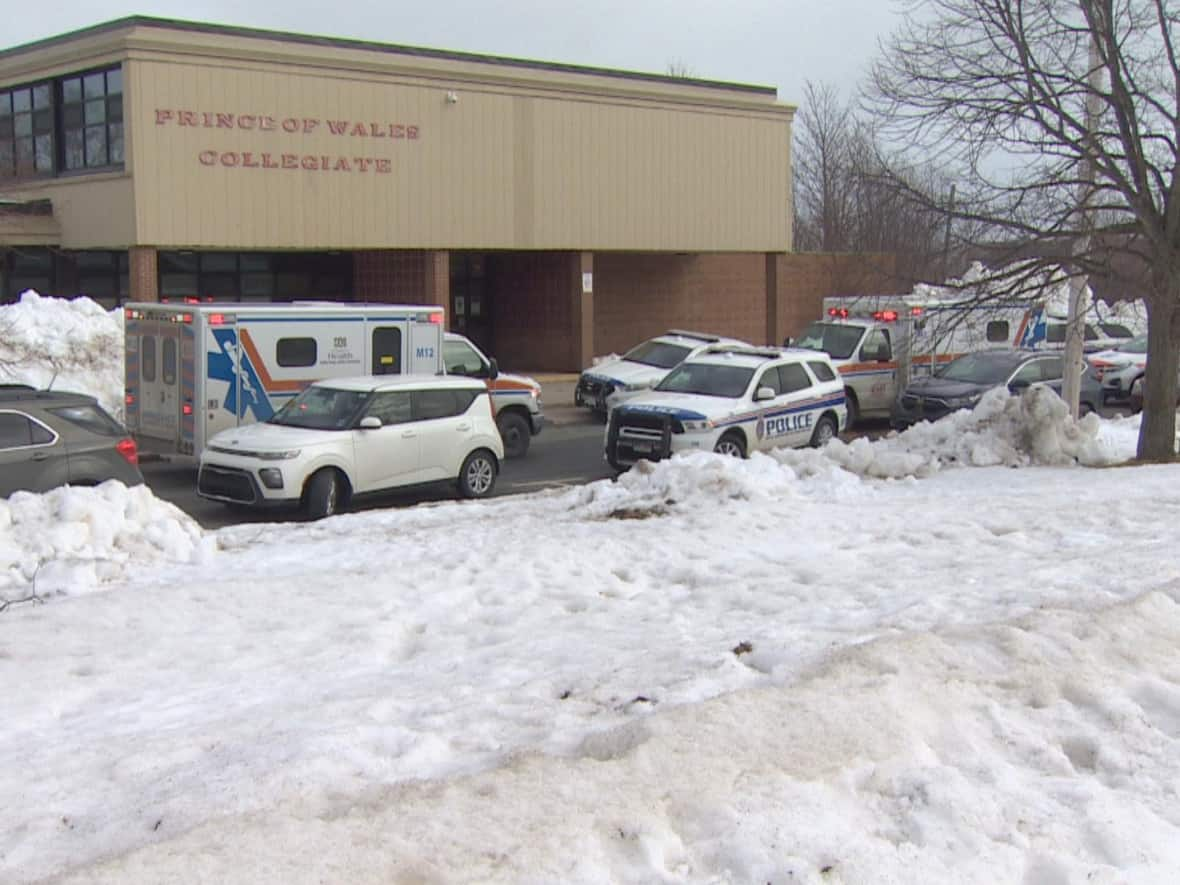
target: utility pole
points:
(1075, 325)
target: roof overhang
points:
(28, 224)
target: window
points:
(387, 351)
(429, 404)
(997, 331)
(822, 371)
(770, 378)
(255, 276)
(169, 361)
(26, 131)
(147, 358)
(296, 352)
(392, 407)
(18, 431)
(90, 418)
(92, 119)
(101, 275)
(876, 346)
(461, 359)
(793, 377)
(1052, 369)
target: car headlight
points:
(961, 402)
(631, 388)
(279, 456)
(696, 426)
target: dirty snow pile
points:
(73, 343)
(1013, 431)
(76, 540)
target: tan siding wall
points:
(493, 170)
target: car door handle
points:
(464, 427)
(40, 456)
(408, 434)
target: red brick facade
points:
(397, 276)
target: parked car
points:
(962, 382)
(614, 381)
(516, 398)
(733, 401)
(55, 438)
(1119, 368)
(347, 437)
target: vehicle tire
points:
(514, 430)
(1085, 409)
(853, 406)
(731, 444)
(324, 492)
(477, 476)
(824, 433)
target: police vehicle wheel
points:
(477, 477)
(824, 433)
(514, 430)
(853, 407)
(323, 494)
(731, 445)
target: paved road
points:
(567, 452)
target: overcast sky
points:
(778, 43)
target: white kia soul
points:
(348, 437)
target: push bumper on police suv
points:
(633, 436)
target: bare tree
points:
(845, 201)
(998, 90)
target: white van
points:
(193, 370)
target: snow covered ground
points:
(948, 656)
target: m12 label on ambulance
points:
(425, 353)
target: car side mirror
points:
(493, 369)
(370, 422)
(1018, 384)
(763, 393)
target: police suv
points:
(731, 400)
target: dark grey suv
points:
(52, 438)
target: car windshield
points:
(321, 408)
(661, 354)
(833, 339)
(1135, 345)
(707, 379)
(1115, 330)
(980, 368)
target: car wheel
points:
(1085, 409)
(853, 407)
(731, 445)
(514, 430)
(824, 433)
(477, 476)
(323, 494)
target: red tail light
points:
(436, 318)
(186, 409)
(128, 449)
(216, 319)
(129, 399)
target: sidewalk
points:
(557, 397)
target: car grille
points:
(227, 484)
(633, 436)
(925, 406)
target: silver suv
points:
(55, 438)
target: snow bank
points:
(73, 343)
(74, 540)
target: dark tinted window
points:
(392, 407)
(1115, 330)
(169, 361)
(387, 351)
(296, 352)
(15, 431)
(822, 371)
(147, 357)
(834, 340)
(793, 377)
(661, 354)
(997, 331)
(90, 418)
(430, 404)
(769, 378)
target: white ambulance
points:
(193, 370)
(880, 343)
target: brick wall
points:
(805, 279)
(142, 267)
(638, 295)
(532, 322)
(389, 276)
